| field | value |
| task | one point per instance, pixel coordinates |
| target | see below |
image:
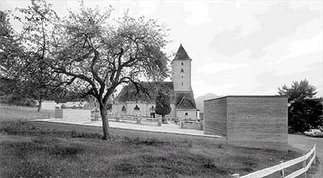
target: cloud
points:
(148, 7)
(304, 46)
(279, 21)
(202, 87)
(215, 67)
(284, 74)
(199, 13)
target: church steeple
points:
(181, 71)
(181, 54)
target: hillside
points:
(199, 100)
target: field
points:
(31, 149)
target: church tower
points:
(181, 71)
(185, 106)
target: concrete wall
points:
(215, 117)
(48, 105)
(249, 121)
(73, 114)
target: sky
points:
(237, 47)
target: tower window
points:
(123, 108)
(182, 83)
(136, 108)
(182, 76)
(186, 114)
(182, 70)
(182, 63)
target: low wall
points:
(48, 105)
(119, 132)
(249, 121)
(73, 114)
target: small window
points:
(182, 83)
(123, 108)
(182, 70)
(186, 114)
(136, 108)
(182, 76)
(182, 63)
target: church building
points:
(133, 103)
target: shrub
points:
(18, 100)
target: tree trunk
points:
(105, 122)
(164, 119)
(39, 104)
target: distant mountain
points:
(199, 100)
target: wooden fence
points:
(280, 167)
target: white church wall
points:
(186, 114)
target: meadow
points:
(33, 149)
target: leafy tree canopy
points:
(298, 91)
(88, 52)
(304, 111)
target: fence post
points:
(304, 165)
(138, 120)
(314, 153)
(181, 123)
(282, 171)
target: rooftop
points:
(181, 54)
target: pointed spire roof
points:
(181, 54)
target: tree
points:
(163, 105)
(10, 47)
(304, 110)
(298, 91)
(35, 73)
(94, 53)
(11, 53)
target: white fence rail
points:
(280, 167)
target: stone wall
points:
(249, 121)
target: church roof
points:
(186, 104)
(182, 100)
(130, 93)
(181, 54)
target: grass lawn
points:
(23, 113)
(28, 150)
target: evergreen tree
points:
(163, 105)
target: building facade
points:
(131, 102)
